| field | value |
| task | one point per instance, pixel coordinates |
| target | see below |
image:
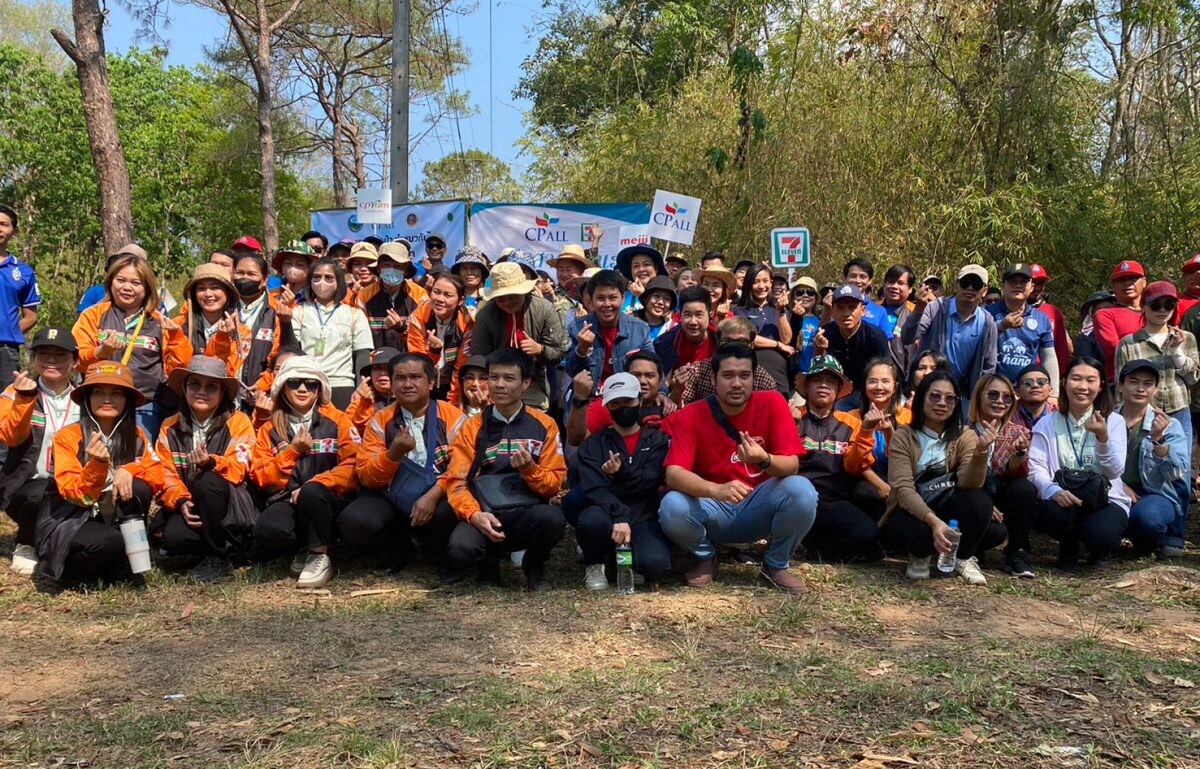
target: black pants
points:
(972, 508)
(372, 522)
(23, 509)
(865, 497)
(210, 501)
(97, 550)
(535, 529)
(651, 548)
(1099, 531)
(842, 532)
(1017, 499)
(284, 527)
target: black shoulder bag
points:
(1089, 486)
(499, 491)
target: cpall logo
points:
(671, 215)
(545, 230)
(545, 220)
(674, 210)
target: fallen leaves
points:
(882, 669)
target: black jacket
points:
(632, 495)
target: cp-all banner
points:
(543, 229)
(413, 221)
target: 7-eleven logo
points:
(789, 247)
(792, 242)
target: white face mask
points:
(391, 277)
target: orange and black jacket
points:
(157, 351)
(826, 442)
(531, 429)
(362, 410)
(81, 479)
(230, 449)
(376, 470)
(23, 431)
(278, 469)
(375, 302)
(861, 455)
(229, 348)
(455, 350)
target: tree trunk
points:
(339, 185)
(108, 156)
(266, 130)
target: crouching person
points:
(205, 454)
(105, 470)
(405, 449)
(304, 460)
(732, 470)
(504, 466)
(620, 474)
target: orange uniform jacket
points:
(418, 342)
(177, 348)
(375, 469)
(16, 417)
(861, 454)
(82, 483)
(225, 347)
(361, 410)
(233, 465)
(271, 465)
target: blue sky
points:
(498, 124)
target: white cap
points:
(620, 386)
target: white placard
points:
(374, 206)
(673, 217)
(634, 235)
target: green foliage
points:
(473, 174)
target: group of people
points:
(468, 413)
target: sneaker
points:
(211, 569)
(783, 579)
(702, 572)
(1018, 564)
(298, 562)
(1164, 552)
(317, 571)
(517, 558)
(918, 568)
(24, 560)
(968, 569)
(537, 581)
(594, 577)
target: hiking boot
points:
(1068, 556)
(489, 570)
(317, 571)
(968, 569)
(24, 560)
(298, 562)
(918, 568)
(536, 580)
(702, 572)
(594, 577)
(211, 569)
(783, 579)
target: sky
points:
(498, 123)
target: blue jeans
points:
(1155, 520)
(149, 418)
(781, 509)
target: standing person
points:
(860, 273)
(898, 284)
(620, 474)
(1023, 333)
(104, 469)
(210, 316)
(1128, 282)
(878, 417)
(675, 264)
(694, 337)
(570, 265)
(851, 340)
(19, 299)
(361, 268)
(499, 514)
(805, 321)
(694, 381)
(711, 260)
(513, 317)
(1086, 344)
(440, 330)
(1033, 396)
(1082, 446)
(1156, 465)
(658, 306)
(1058, 324)
(304, 462)
(1171, 350)
(772, 330)
(435, 252)
(32, 411)
(471, 266)
(607, 336)
(127, 327)
(204, 451)
(934, 445)
(957, 326)
(335, 335)
(721, 285)
(292, 263)
(732, 474)
(388, 303)
(925, 363)
(639, 264)
(225, 259)
(1191, 288)
(686, 279)
(266, 328)
(318, 243)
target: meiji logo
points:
(545, 220)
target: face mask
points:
(296, 274)
(391, 277)
(626, 416)
(247, 287)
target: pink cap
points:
(1159, 289)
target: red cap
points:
(1126, 270)
(1159, 289)
(1039, 272)
(248, 241)
(1191, 265)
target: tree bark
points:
(266, 128)
(108, 156)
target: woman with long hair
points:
(337, 336)
(440, 329)
(757, 305)
(925, 363)
(804, 318)
(881, 413)
(210, 315)
(721, 285)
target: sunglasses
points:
(971, 284)
(318, 249)
(439, 246)
(1163, 305)
(804, 292)
(1035, 384)
(941, 398)
(995, 396)
(312, 385)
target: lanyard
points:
(137, 329)
(323, 321)
(52, 427)
(1071, 440)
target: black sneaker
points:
(1017, 563)
(489, 570)
(536, 579)
(212, 569)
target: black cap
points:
(379, 357)
(1013, 270)
(747, 263)
(475, 361)
(55, 337)
(1096, 298)
(374, 240)
(1141, 364)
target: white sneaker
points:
(593, 577)
(318, 570)
(299, 560)
(517, 558)
(24, 560)
(918, 568)
(968, 569)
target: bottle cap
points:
(953, 523)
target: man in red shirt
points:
(1063, 349)
(1128, 281)
(1190, 296)
(732, 470)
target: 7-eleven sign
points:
(789, 247)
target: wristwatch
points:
(579, 402)
(766, 463)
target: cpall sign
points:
(673, 217)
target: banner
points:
(673, 217)
(634, 235)
(374, 206)
(543, 229)
(412, 221)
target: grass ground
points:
(868, 671)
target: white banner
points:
(673, 217)
(544, 229)
(374, 206)
(413, 221)
(634, 235)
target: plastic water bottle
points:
(624, 570)
(947, 561)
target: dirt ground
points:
(869, 671)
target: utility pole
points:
(400, 87)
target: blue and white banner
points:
(543, 229)
(413, 221)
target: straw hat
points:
(571, 253)
(205, 366)
(302, 367)
(722, 274)
(107, 372)
(508, 279)
(363, 251)
(210, 271)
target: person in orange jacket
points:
(205, 453)
(374, 392)
(32, 411)
(264, 404)
(209, 316)
(406, 448)
(303, 460)
(105, 469)
(391, 300)
(440, 329)
(128, 328)
(880, 414)
(507, 439)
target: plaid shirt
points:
(1177, 371)
(702, 385)
(1004, 448)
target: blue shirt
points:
(878, 317)
(91, 297)
(962, 340)
(18, 289)
(1019, 347)
(893, 317)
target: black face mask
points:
(247, 286)
(626, 416)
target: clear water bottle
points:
(947, 561)
(624, 570)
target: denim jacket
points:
(1167, 475)
(633, 335)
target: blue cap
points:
(848, 292)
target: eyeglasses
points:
(995, 396)
(941, 398)
(1164, 305)
(971, 284)
(312, 385)
(804, 292)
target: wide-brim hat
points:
(807, 282)
(112, 373)
(1094, 299)
(210, 271)
(825, 364)
(508, 279)
(571, 253)
(302, 367)
(662, 283)
(722, 274)
(379, 357)
(526, 260)
(363, 251)
(295, 248)
(205, 366)
(471, 255)
(625, 259)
